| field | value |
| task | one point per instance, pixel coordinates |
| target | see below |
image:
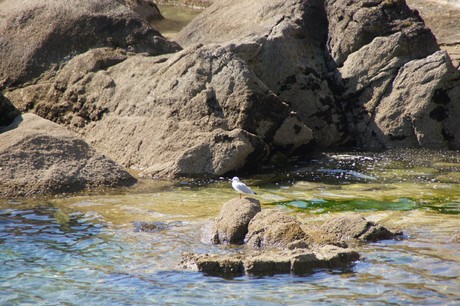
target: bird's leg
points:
(240, 195)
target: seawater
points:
(90, 249)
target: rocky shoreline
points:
(275, 80)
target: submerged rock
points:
(39, 157)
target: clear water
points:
(88, 250)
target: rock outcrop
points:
(200, 111)
(278, 243)
(377, 48)
(344, 96)
(39, 157)
(283, 43)
(276, 77)
(38, 36)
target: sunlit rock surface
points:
(39, 157)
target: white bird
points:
(241, 187)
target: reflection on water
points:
(125, 248)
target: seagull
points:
(241, 187)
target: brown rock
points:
(36, 39)
(231, 225)
(283, 44)
(39, 157)
(355, 226)
(297, 262)
(271, 228)
(198, 112)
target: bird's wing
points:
(243, 188)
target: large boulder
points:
(39, 157)
(200, 111)
(377, 48)
(39, 35)
(339, 64)
(283, 43)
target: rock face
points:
(344, 97)
(283, 43)
(276, 77)
(40, 35)
(376, 47)
(200, 111)
(278, 243)
(39, 157)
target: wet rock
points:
(272, 228)
(298, 262)
(231, 225)
(355, 226)
(140, 226)
(7, 111)
(39, 157)
(222, 265)
(35, 39)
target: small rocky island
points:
(272, 242)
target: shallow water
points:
(175, 18)
(89, 250)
